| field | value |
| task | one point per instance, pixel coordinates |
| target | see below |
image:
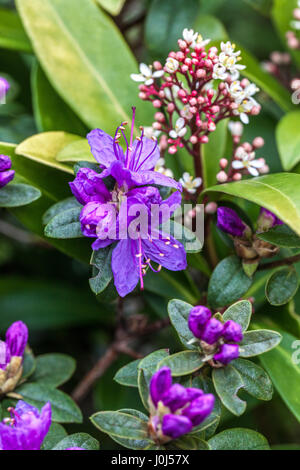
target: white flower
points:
(200, 41)
(180, 129)
(246, 162)
(228, 48)
(160, 167)
(186, 113)
(146, 74)
(230, 62)
(172, 65)
(219, 72)
(150, 132)
(189, 36)
(189, 183)
(295, 24)
(236, 91)
(236, 128)
(250, 90)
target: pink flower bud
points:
(210, 93)
(182, 44)
(157, 103)
(215, 109)
(265, 169)
(296, 14)
(258, 142)
(208, 64)
(184, 68)
(295, 84)
(237, 177)
(159, 117)
(213, 50)
(200, 100)
(172, 150)
(193, 139)
(211, 126)
(142, 95)
(171, 107)
(180, 56)
(161, 94)
(255, 110)
(201, 73)
(181, 93)
(163, 143)
(172, 54)
(157, 126)
(193, 109)
(204, 139)
(245, 82)
(193, 102)
(247, 146)
(188, 61)
(223, 163)
(222, 177)
(157, 65)
(222, 86)
(211, 208)
(293, 42)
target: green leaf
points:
(179, 312)
(12, 34)
(81, 439)
(44, 147)
(113, 7)
(147, 367)
(238, 439)
(53, 369)
(135, 444)
(288, 140)
(183, 363)
(59, 207)
(16, 195)
(55, 435)
(277, 192)
(210, 27)
(77, 151)
(120, 424)
(212, 152)
(50, 111)
(228, 282)
(128, 374)
(64, 409)
(29, 364)
(228, 382)
(240, 312)
(101, 260)
(281, 235)
(263, 6)
(258, 342)
(76, 57)
(256, 380)
(282, 286)
(283, 366)
(65, 225)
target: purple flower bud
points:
(230, 222)
(88, 186)
(160, 383)
(267, 220)
(212, 331)
(227, 353)
(198, 317)
(200, 408)
(5, 163)
(176, 397)
(193, 393)
(175, 426)
(6, 177)
(232, 331)
(16, 338)
(99, 220)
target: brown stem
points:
(281, 262)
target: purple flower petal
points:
(200, 408)
(267, 220)
(145, 154)
(175, 397)
(212, 331)
(230, 222)
(154, 177)
(5, 163)
(6, 177)
(232, 331)
(102, 148)
(198, 318)
(88, 186)
(75, 448)
(17, 338)
(227, 353)
(160, 383)
(124, 266)
(4, 352)
(99, 220)
(193, 393)
(166, 251)
(175, 426)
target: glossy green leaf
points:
(29, 364)
(281, 235)
(263, 6)
(282, 286)
(228, 282)
(50, 111)
(256, 380)
(56, 434)
(240, 312)
(81, 439)
(12, 34)
(179, 312)
(65, 225)
(16, 195)
(183, 363)
(53, 369)
(120, 424)
(76, 152)
(64, 409)
(134, 444)
(210, 27)
(258, 342)
(128, 374)
(277, 192)
(76, 57)
(238, 439)
(101, 260)
(112, 6)
(228, 381)
(288, 140)
(59, 207)
(147, 367)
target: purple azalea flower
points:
(26, 429)
(184, 407)
(229, 222)
(6, 174)
(135, 166)
(267, 220)
(4, 87)
(88, 186)
(216, 338)
(14, 344)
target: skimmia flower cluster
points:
(174, 409)
(194, 90)
(6, 174)
(217, 340)
(108, 214)
(247, 245)
(11, 356)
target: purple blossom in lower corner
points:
(229, 222)
(11, 356)
(217, 340)
(174, 409)
(6, 174)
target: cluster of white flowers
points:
(227, 65)
(180, 129)
(189, 183)
(147, 74)
(243, 97)
(246, 161)
(161, 168)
